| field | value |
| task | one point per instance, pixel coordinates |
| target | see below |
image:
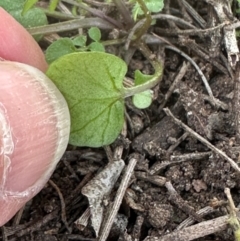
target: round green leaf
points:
(91, 82)
(95, 34)
(154, 6)
(96, 46)
(143, 100)
(80, 41)
(10, 5)
(59, 48)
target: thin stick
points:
(177, 79)
(118, 200)
(18, 216)
(4, 236)
(70, 25)
(95, 12)
(124, 10)
(236, 103)
(189, 221)
(203, 140)
(195, 231)
(194, 14)
(205, 82)
(181, 204)
(63, 213)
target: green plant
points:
(66, 45)
(95, 34)
(237, 12)
(238, 1)
(153, 6)
(30, 3)
(92, 83)
(144, 99)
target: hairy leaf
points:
(80, 41)
(96, 46)
(10, 5)
(59, 48)
(95, 34)
(144, 99)
(91, 82)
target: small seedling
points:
(153, 6)
(30, 3)
(233, 219)
(95, 34)
(65, 46)
(92, 83)
(144, 99)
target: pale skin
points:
(30, 124)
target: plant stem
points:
(147, 53)
(59, 15)
(53, 5)
(148, 85)
(125, 13)
(152, 82)
(147, 23)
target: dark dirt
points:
(176, 175)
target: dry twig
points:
(195, 231)
(63, 210)
(118, 200)
(203, 140)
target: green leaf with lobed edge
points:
(91, 83)
(140, 78)
(142, 100)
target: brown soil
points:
(177, 174)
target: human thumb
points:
(34, 119)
